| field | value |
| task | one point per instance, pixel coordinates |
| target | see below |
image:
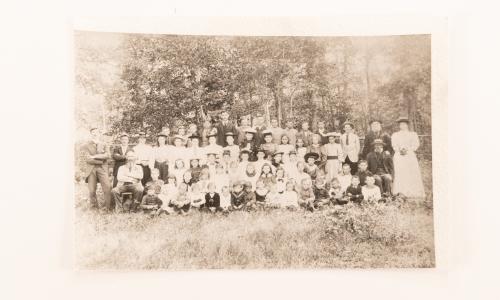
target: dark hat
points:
(194, 136)
(163, 133)
(142, 133)
(226, 152)
(123, 134)
(378, 142)
(260, 150)
(311, 154)
(266, 132)
(276, 153)
(348, 123)
(212, 132)
(229, 133)
(403, 119)
(211, 152)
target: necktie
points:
(347, 139)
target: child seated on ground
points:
(371, 192)
(273, 198)
(345, 178)
(150, 202)
(289, 198)
(320, 192)
(196, 196)
(354, 192)
(336, 193)
(212, 199)
(168, 192)
(225, 199)
(237, 196)
(306, 195)
(181, 202)
(260, 192)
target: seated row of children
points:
(269, 190)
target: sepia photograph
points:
(252, 152)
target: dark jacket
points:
(223, 129)
(212, 202)
(370, 137)
(90, 149)
(380, 163)
(355, 193)
(120, 158)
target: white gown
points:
(407, 176)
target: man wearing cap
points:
(350, 147)
(374, 133)
(120, 155)
(129, 180)
(380, 164)
(223, 127)
(145, 157)
(96, 170)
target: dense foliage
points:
(132, 82)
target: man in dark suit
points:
(223, 127)
(376, 133)
(120, 155)
(380, 164)
(96, 170)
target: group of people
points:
(225, 167)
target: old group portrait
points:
(203, 152)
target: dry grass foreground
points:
(394, 235)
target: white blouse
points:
(405, 139)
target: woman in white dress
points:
(407, 176)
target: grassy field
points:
(399, 234)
